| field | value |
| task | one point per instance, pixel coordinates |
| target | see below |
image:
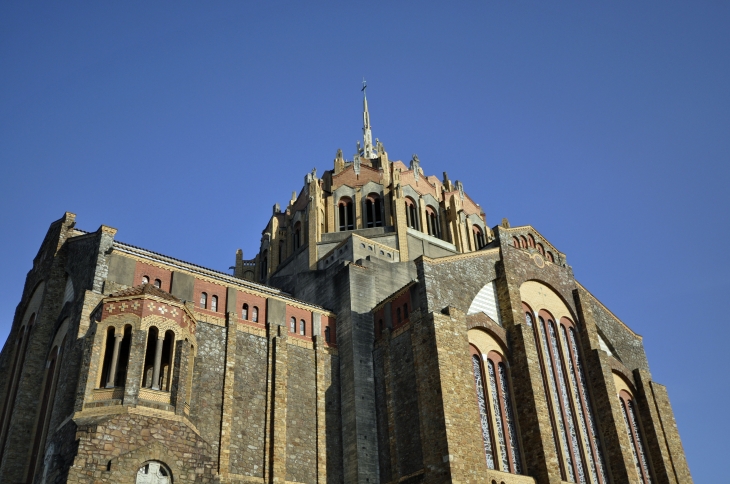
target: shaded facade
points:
(383, 333)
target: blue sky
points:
(606, 127)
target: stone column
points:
(115, 360)
(158, 362)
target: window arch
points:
(297, 235)
(398, 316)
(302, 328)
(549, 256)
(282, 250)
(264, 265)
(478, 237)
(516, 242)
(154, 472)
(432, 221)
(255, 314)
(411, 213)
(568, 395)
(292, 324)
(204, 300)
(497, 418)
(530, 240)
(633, 429)
(346, 214)
(373, 210)
(523, 242)
(158, 359)
(244, 312)
(145, 280)
(214, 304)
(540, 248)
(327, 335)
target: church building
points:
(384, 333)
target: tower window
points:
(433, 222)
(347, 219)
(411, 214)
(478, 237)
(145, 280)
(214, 303)
(158, 283)
(255, 314)
(244, 312)
(204, 300)
(373, 210)
(293, 325)
(302, 328)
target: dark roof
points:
(142, 289)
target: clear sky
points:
(607, 128)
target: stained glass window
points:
(498, 417)
(632, 428)
(483, 415)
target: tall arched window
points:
(264, 265)
(530, 240)
(411, 214)
(327, 334)
(46, 404)
(346, 215)
(540, 248)
(523, 242)
(116, 357)
(302, 327)
(297, 235)
(478, 237)
(432, 221)
(568, 395)
(145, 280)
(373, 210)
(214, 303)
(633, 428)
(549, 256)
(204, 300)
(516, 242)
(158, 359)
(292, 324)
(499, 429)
(244, 312)
(158, 283)
(255, 314)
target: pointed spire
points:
(368, 151)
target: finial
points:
(364, 85)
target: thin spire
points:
(368, 151)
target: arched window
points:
(145, 280)
(282, 250)
(153, 472)
(633, 428)
(346, 215)
(380, 326)
(302, 327)
(516, 242)
(264, 265)
(46, 406)
(373, 210)
(499, 430)
(432, 222)
(158, 283)
(20, 349)
(116, 357)
(478, 237)
(405, 311)
(327, 334)
(540, 248)
(158, 359)
(292, 324)
(411, 214)
(214, 304)
(530, 240)
(398, 316)
(549, 256)
(297, 235)
(204, 300)
(244, 312)
(523, 242)
(255, 314)
(570, 399)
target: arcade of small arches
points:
(162, 340)
(522, 242)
